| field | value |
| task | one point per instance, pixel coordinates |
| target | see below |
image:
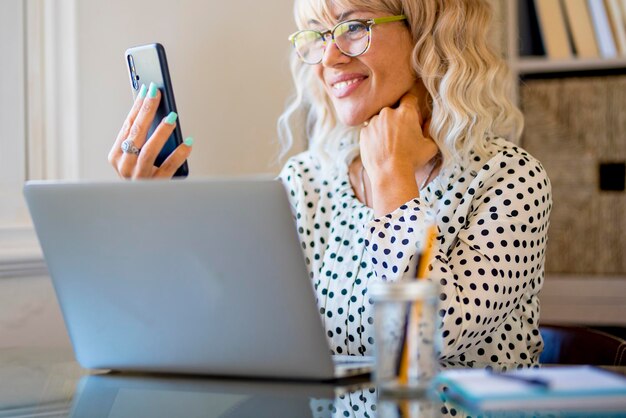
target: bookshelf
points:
(525, 65)
(582, 297)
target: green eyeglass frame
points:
(314, 35)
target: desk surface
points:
(48, 382)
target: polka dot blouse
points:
(492, 214)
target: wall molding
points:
(20, 254)
(22, 267)
(12, 113)
(52, 90)
(49, 126)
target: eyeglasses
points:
(352, 37)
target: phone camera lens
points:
(133, 75)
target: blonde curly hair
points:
(468, 82)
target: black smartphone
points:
(148, 64)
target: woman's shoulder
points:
(301, 170)
(498, 146)
(303, 161)
(300, 165)
(506, 158)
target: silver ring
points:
(128, 146)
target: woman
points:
(406, 112)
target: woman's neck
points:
(423, 100)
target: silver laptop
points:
(194, 276)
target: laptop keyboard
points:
(346, 359)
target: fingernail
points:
(142, 91)
(171, 118)
(188, 141)
(152, 91)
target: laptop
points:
(193, 276)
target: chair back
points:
(565, 344)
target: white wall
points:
(229, 67)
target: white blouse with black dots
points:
(492, 215)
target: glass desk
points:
(49, 383)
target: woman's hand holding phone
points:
(135, 128)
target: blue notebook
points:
(574, 388)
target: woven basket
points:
(573, 125)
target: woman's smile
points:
(343, 85)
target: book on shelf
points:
(530, 43)
(571, 388)
(602, 28)
(614, 12)
(581, 28)
(553, 30)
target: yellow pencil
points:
(429, 243)
(416, 309)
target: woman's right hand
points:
(135, 166)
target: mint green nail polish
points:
(171, 118)
(152, 92)
(142, 91)
(188, 141)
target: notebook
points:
(194, 276)
(580, 388)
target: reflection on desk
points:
(133, 396)
(166, 396)
(48, 383)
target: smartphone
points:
(148, 64)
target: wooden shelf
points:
(541, 65)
